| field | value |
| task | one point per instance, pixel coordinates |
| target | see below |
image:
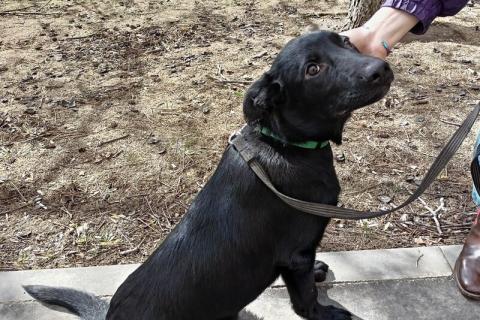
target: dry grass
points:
(78, 75)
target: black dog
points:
(238, 237)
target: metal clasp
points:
(235, 134)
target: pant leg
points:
(475, 195)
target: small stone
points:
(419, 240)
(82, 229)
(113, 125)
(409, 178)
(340, 157)
(30, 111)
(103, 68)
(25, 234)
(81, 173)
(419, 119)
(385, 199)
(383, 135)
(50, 145)
(153, 140)
(82, 149)
(205, 110)
(404, 217)
(435, 50)
(67, 103)
(384, 208)
(261, 54)
(420, 102)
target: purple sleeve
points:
(426, 10)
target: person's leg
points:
(467, 267)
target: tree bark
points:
(360, 11)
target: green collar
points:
(310, 144)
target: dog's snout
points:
(376, 72)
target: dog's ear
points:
(263, 96)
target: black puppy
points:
(237, 236)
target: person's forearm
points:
(390, 24)
(387, 26)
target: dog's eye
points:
(313, 69)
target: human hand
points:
(365, 41)
(387, 26)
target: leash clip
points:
(234, 134)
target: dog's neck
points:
(308, 144)
(299, 132)
(297, 171)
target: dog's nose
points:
(376, 72)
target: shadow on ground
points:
(448, 32)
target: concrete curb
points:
(349, 266)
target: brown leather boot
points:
(467, 267)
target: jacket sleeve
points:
(426, 10)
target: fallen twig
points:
(434, 213)
(229, 81)
(33, 13)
(21, 195)
(16, 10)
(325, 13)
(79, 37)
(14, 209)
(418, 259)
(451, 123)
(122, 253)
(113, 140)
(46, 4)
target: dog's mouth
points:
(358, 99)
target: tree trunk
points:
(360, 11)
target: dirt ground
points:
(113, 115)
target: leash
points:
(324, 210)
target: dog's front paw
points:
(334, 313)
(320, 270)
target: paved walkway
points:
(410, 284)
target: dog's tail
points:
(83, 304)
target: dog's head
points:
(313, 86)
